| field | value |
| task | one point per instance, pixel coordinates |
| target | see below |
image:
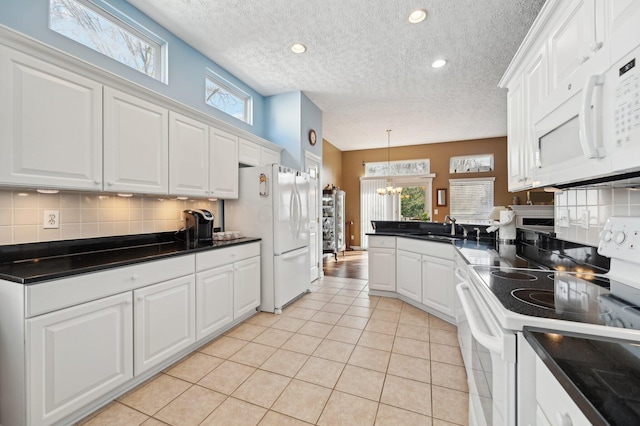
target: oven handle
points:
(493, 343)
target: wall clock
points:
(312, 137)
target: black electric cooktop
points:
(569, 296)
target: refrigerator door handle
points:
(293, 207)
(299, 211)
(295, 253)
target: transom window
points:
(228, 98)
(94, 27)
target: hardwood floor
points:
(354, 264)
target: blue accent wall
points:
(290, 117)
(282, 112)
(311, 118)
(186, 66)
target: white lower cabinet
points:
(246, 286)
(419, 270)
(214, 300)
(77, 354)
(164, 321)
(438, 284)
(74, 343)
(382, 269)
(409, 274)
(426, 279)
(227, 286)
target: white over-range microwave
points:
(595, 133)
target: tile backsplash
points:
(587, 210)
(88, 215)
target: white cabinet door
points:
(214, 300)
(535, 92)
(76, 355)
(409, 274)
(570, 47)
(438, 285)
(189, 156)
(136, 144)
(269, 156)
(249, 153)
(382, 269)
(50, 125)
(622, 25)
(164, 321)
(223, 161)
(515, 136)
(246, 286)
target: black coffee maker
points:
(198, 226)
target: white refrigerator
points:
(273, 204)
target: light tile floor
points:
(336, 356)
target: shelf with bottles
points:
(333, 221)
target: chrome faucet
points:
(477, 233)
(453, 224)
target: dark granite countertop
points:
(602, 375)
(37, 262)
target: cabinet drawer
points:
(442, 250)
(53, 295)
(225, 256)
(382, 242)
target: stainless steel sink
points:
(438, 237)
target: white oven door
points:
(489, 354)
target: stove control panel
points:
(620, 239)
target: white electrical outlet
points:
(584, 219)
(51, 219)
(435, 211)
(353, 237)
(563, 218)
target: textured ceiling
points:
(366, 67)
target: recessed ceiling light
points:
(438, 63)
(298, 48)
(417, 16)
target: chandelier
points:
(389, 189)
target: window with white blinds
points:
(471, 199)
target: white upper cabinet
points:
(570, 45)
(248, 153)
(136, 144)
(253, 154)
(269, 156)
(622, 26)
(50, 125)
(515, 137)
(223, 174)
(189, 156)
